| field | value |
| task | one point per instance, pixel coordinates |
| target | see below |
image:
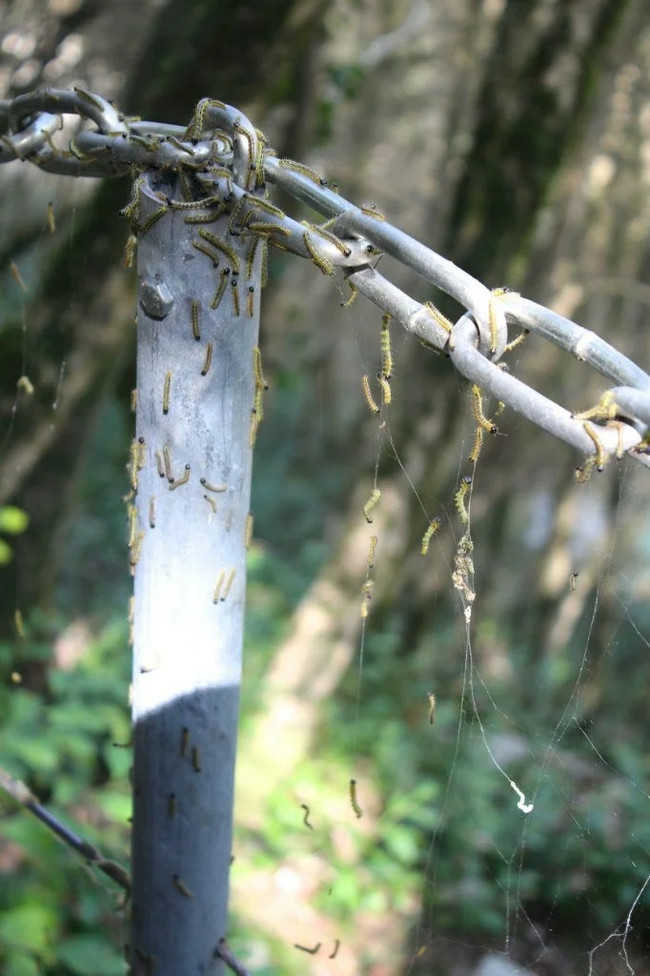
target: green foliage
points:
(440, 821)
(450, 829)
(28, 927)
(13, 521)
(56, 915)
(87, 955)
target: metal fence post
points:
(190, 472)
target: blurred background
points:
(513, 136)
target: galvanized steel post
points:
(190, 467)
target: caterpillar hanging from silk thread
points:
(434, 525)
(353, 799)
(375, 495)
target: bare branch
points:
(231, 961)
(23, 795)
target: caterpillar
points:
(375, 495)
(332, 238)
(386, 392)
(600, 457)
(432, 705)
(195, 311)
(207, 362)
(140, 454)
(221, 287)
(354, 291)
(479, 415)
(371, 551)
(184, 890)
(335, 950)
(211, 502)
(221, 246)
(166, 392)
(386, 352)
(167, 464)
(303, 170)
(365, 383)
(433, 527)
(185, 740)
(235, 293)
(492, 321)
(353, 799)
(204, 249)
(477, 445)
(151, 220)
(16, 275)
(217, 590)
(370, 210)
(184, 478)
(210, 487)
(229, 582)
(321, 262)
(305, 819)
(260, 382)
(129, 250)
(312, 952)
(248, 531)
(459, 499)
(438, 316)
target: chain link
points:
(221, 163)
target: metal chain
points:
(221, 164)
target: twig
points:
(231, 961)
(23, 795)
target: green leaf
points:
(89, 955)
(38, 754)
(13, 520)
(28, 927)
(402, 844)
(77, 717)
(21, 964)
(116, 804)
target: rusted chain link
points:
(221, 164)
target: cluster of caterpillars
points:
(385, 373)
(204, 210)
(164, 467)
